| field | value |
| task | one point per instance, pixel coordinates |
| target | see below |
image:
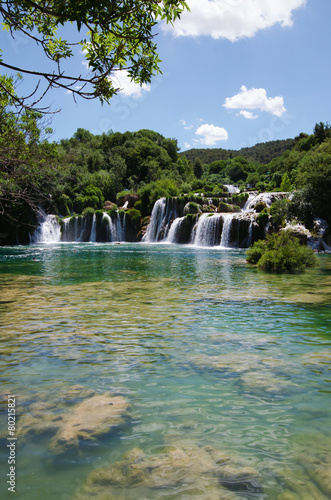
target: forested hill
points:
(260, 153)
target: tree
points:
(28, 173)
(322, 131)
(119, 37)
(197, 168)
(286, 183)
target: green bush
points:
(192, 208)
(138, 205)
(281, 253)
(186, 187)
(224, 207)
(64, 204)
(260, 206)
(134, 215)
(263, 217)
(240, 199)
(113, 211)
(278, 212)
(92, 198)
(88, 211)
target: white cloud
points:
(247, 114)
(255, 99)
(211, 134)
(122, 80)
(234, 19)
(187, 145)
(186, 127)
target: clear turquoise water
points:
(207, 351)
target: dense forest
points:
(260, 153)
(99, 172)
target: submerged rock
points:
(239, 362)
(89, 419)
(312, 479)
(177, 472)
(264, 382)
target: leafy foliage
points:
(281, 253)
(120, 37)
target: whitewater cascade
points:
(93, 235)
(171, 222)
(232, 189)
(80, 228)
(206, 231)
(174, 228)
(226, 230)
(163, 213)
(48, 231)
(234, 229)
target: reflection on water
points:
(155, 371)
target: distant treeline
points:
(260, 153)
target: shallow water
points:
(209, 353)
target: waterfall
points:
(232, 189)
(120, 227)
(48, 231)
(225, 240)
(175, 226)
(65, 229)
(249, 200)
(206, 230)
(267, 198)
(93, 235)
(162, 214)
(110, 227)
(250, 233)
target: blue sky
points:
(235, 73)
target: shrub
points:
(92, 198)
(281, 253)
(278, 212)
(88, 211)
(263, 217)
(191, 208)
(224, 207)
(186, 187)
(255, 252)
(113, 211)
(138, 205)
(64, 204)
(260, 206)
(134, 215)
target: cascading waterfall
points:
(267, 198)
(120, 228)
(227, 221)
(250, 233)
(174, 228)
(232, 189)
(206, 230)
(162, 214)
(93, 235)
(170, 222)
(48, 231)
(249, 200)
(111, 234)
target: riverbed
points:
(206, 378)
